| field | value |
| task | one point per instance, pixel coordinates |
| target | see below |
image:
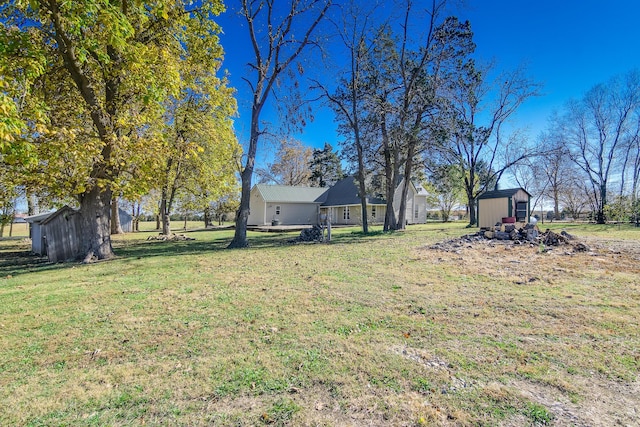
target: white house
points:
(287, 205)
(283, 204)
(416, 205)
(343, 206)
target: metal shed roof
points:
(39, 217)
(288, 194)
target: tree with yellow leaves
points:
(103, 72)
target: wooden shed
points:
(38, 243)
(62, 234)
(126, 221)
(494, 206)
(56, 234)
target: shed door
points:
(521, 211)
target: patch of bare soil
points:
(601, 402)
(526, 262)
(608, 403)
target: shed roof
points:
(59, 212)
(501, 194)
(39, 217)
(124, 214)
(289, 194)
(345, 193)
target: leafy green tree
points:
(222, 207)
(201, 147)
(391, 93)
(326, 167)
(116, 62)
(445, 189)
(620, 209)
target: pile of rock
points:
(313, 234)
(528, 234)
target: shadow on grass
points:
(149, 248)
(257, 240)
(14, 262)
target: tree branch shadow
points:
(16, 260)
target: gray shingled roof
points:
(286, 193)
(345, 192)
(500, 194)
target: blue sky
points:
(566, 45)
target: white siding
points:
(421, 203)
(379, 211)
(337, 214)
(292, 213)
(413, 200)
(257, 214)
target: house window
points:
(277, 210)
(373, 211)
(346, 214)
(415, 212)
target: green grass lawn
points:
(365, 330)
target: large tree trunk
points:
(469, 187)
(166, 198)
(408, 170)
(95, 225)
(390, 215)
(471, 204)
(363, 201)
(600, 216)
(362, 189)
(242, 215)
(207, 216)
(165, 217)
(116, 227)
